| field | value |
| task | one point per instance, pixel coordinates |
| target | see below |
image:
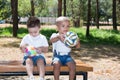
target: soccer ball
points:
(30, 51)
(71, 39)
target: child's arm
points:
(42, 49)
(55, 39)
(58, 37)
(23, 47)
(78, 44)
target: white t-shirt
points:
(59, 46)
(38, 41)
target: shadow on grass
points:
(12, 44)
(89, 53)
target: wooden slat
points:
(14, 62)
(16, 66)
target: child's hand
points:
(62, 37)
(23, 48)
(39, 50)
(78, 44)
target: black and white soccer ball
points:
(71, 39)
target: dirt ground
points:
(104, 59)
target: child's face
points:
(34, 31)
(63, 27)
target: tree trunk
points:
(97, 14)
(59, 8)
(88, 18)
(77, 20)
(72, 11)
(114, 15)
(32, 8)
(64, 7)
(71, 4)
(14, 7)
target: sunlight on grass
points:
(6, 31)
(97, 36)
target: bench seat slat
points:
(14, 62)
(4, 68)
(16, 66)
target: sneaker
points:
(31, 78)
(41, 78)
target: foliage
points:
(105, 11)
(78, 8)
(49, 8)
(106, 37)
(24, 8)
(40, 7)
(5, 10)
(52, 7)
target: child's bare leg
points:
(57, 70)
(71, 66)
(29, 67)
(41, 68)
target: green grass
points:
(104, 37)
(99, 36)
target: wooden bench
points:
(15, 68)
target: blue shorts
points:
(34, 59)
(63, 59)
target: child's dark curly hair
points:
(33, 22)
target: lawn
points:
(97, 36)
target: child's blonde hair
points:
(61, 19)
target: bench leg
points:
(85, 76)
(75, 77)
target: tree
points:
(32, 8)
(14, 6)
(64, 7)
(76, 10)
(118, 11)
(114, 15)
(59, 8)
(77, 21)
(72, 7)
(88, 18)
(97, 14)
